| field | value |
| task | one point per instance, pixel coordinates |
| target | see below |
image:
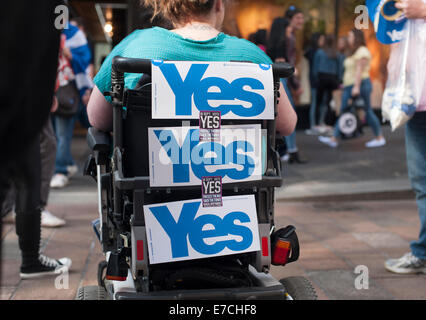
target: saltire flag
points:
(81, 57)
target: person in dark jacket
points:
(328, 73)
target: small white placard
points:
(178, 158)
(181, 89)
(186, 230)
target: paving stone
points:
(381, 239)
(340, 285)
(417, 285)
(6, 292)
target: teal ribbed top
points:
(159, 43)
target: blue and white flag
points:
(388, 20)
(81, 57)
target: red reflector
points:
(116, 278)
(281, 252)
(265, 247)
(139, 250)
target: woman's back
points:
(324, 63)
(159, 43)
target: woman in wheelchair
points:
(196, 37)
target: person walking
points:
(327, 74)
(415, 142)
(356, 82)
(316, 42)
(282, 48)
(76, 57)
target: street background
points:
(351, 206)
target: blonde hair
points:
(179, 10)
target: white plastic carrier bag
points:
(406, 75)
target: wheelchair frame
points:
(121, 199)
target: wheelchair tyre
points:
(91, 293)
(299, 288)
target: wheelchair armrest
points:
(100, 144)
(98, 140)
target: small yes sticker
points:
(210, 125)
(212, 191)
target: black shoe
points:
(45, 266)
(295, 158)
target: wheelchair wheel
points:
(91, 293)
(299, 288)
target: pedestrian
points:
(76, 57)
(296, 19)
(316, 42)
(28, 217)
(356, 82)
(282, 48)
(196, 36)
(327, 74)
(415, 141)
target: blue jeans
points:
(365, 92)
(64, 128)
(291, 139)
(415, 142)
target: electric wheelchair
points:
(120, 163)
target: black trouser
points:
(326, 84)
(27, 205)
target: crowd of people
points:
(334, 64)
(342, 64)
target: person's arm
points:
(99, 111)
(413, 9)
(287, 118)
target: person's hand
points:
(355, 91)
(413, 9)
(54, 105)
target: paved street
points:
(351, 207)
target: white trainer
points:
(407, 264)
(59, 180)
(48, 220)
(328, 141)
(375, 143)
